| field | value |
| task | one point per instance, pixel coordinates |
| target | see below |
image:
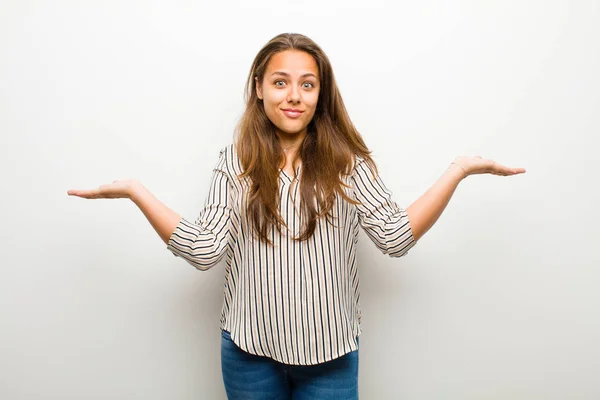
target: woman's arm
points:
(384, 222)
(395, 230)
(162, 218)
(203, 243)
(426, 210)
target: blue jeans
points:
(248, 376)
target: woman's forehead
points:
(292, 62)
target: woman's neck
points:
(291, 143)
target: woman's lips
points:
(292, 114)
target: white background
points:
(499, 300)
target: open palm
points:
(116, 190)
(478, 165)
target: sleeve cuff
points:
(180, 230)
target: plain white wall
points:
(498, 301)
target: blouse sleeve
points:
(385, 223)
(204, 243)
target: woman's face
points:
(290, 91)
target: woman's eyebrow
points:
(287, 75)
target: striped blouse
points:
(295, 302)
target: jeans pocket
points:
(225, 335)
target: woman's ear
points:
(258, 88)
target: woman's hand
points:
(162, 218)
(124, 189)
(479, 165)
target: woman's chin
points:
(291, 130)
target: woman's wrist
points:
(458, 169)
(136, 191)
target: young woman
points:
(284, 208)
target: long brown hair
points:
(328, 152)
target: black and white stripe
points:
(295, 302)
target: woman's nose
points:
(293, 94)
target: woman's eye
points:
(305, 84)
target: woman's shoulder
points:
(359, 163)
(228, 151)
(229, 160)
(364, 166)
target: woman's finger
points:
(508, 171)
(79, 193)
